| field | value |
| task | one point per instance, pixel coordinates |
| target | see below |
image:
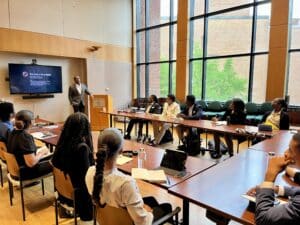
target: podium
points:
(99, 105)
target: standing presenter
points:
(76, 95)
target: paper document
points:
(220, 123)
(158, 176)
(43, 135)
(121, 160)
(51, 127)
(44, 148)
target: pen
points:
(168, 181)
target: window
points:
(229, 42)
(293, 81)
(156, 38)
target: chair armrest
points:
(167, 217)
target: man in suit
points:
(76, 95)
(191, 112)
(268, 214)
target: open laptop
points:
(173, 163)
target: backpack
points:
(192, 143)
(167, 137)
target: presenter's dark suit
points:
(285, 214)
(77, 99)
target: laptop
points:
(173, 163)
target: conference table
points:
(194, 165)
(216, 187)
(219, 189)
(277, 144)
(205, 125)
(49, 128)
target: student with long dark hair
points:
(21, 144)
(109, 186)
(73, 156)
(235, 115)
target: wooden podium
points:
(98, 105)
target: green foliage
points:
(164, 79)
(222, 81)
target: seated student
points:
(6, 115)
(171, 109)
(74, 155)
(21, 144)
(191, 112)
(268, 214)
(153, 107)
(235, 115)
(108, 185)
(278, 118)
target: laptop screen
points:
(174, 160)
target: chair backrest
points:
(203, 104)
(2, 150)
(62, 184)
(266, 107)
(113, 216)
(251, 108)
(215, 106)
(12, 164)
(226, 105)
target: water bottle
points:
(228, 120)
(142, 158)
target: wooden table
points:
(206, 125)
(51, 141)
(194, 165)
(219, 189)
(278, 144)
(154, 156)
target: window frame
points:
(171, 24)
(290, 52)
(205, 16)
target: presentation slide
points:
(34, 79)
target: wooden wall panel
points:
(278, 50)
(43, 44)
(182, 47)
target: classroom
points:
(163, 112)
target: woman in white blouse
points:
(109, 186)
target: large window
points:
(293, 81)
(229, 42)
(156, 33)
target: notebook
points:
(121, 160)
(156, 176)
(43, 135)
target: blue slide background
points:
(21, 81)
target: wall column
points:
(278, 50)
(182, 47)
